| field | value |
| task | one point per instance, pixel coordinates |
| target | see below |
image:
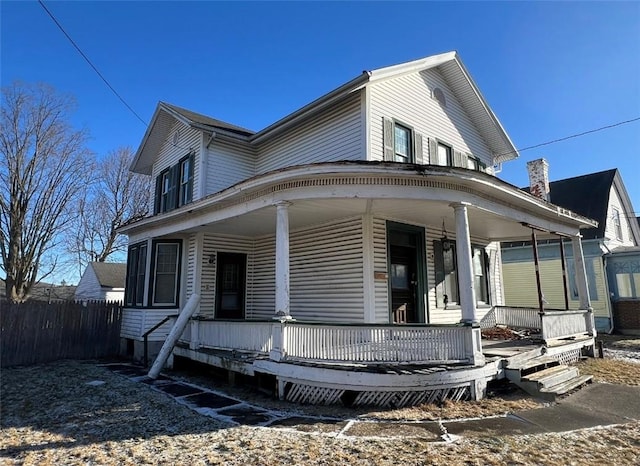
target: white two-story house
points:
(362, 229)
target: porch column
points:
(465, 267)
(581, 273)
(282, 260)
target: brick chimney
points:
(539, 178)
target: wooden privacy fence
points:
(36, 332)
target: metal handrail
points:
(146, 334)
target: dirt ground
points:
(81, 413)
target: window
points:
(186, 181)
(591, 278)
(165, 190)
(444, 155)
(174, 185)
(166, 264)
(136, 273)
(617, 225)
(402, 143)
(446, 268)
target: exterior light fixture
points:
(446, 242)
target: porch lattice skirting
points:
(307, 394)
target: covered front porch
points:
(372, 280)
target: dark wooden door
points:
(403, 284)
(230, 285)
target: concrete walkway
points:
(593, 405)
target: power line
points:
(620, 123)
(90, 63)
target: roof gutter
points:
(311, 108)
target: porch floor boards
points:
(508, 348)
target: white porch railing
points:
(552, 323)
(517, 317)
(233, 335)
(377, 343)
(564, 324)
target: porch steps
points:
(544, 377)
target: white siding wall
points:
(325, 274)
(228, 164)
(408, 99)
(89, 287)
(612, 240)
(380, 267)
(170, 155)
(333, 135)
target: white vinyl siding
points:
(228, 164)
(89, 286)
(408, 99)
(325, 274)
(612, 239)
(169, 155)
(333, 135)
(380, 268)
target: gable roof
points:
(110, 274)
(587, 195)
(449, 65)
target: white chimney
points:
(539, 178)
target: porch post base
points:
(478, 389)
(473, 342)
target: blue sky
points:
(548, 69)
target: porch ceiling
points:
(304, 213)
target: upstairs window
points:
(174, 185)
(401, 143)
(186, 181)
(617, 224)
(444, 155)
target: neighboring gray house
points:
(601, 196)
(102, 281)
(352, 238)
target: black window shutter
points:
(156, 205)
(389, 147)
(418, 157)
(438, 263)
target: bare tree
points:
(117, 197)
(42, 170)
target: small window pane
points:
(402, 144)
(444, 155)
(399, 277)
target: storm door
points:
(230, 285)
(406, 273)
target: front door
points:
(407, 276)
(230, 285)
(403, 284)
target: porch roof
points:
(411, 193)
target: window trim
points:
(189, 183)
(152, 273)
(174, 196)
(449, 162)
(410, 134)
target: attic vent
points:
(176, 137)
(439, 96)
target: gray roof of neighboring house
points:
(110, 274)
(587, 195)
(208, 121)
